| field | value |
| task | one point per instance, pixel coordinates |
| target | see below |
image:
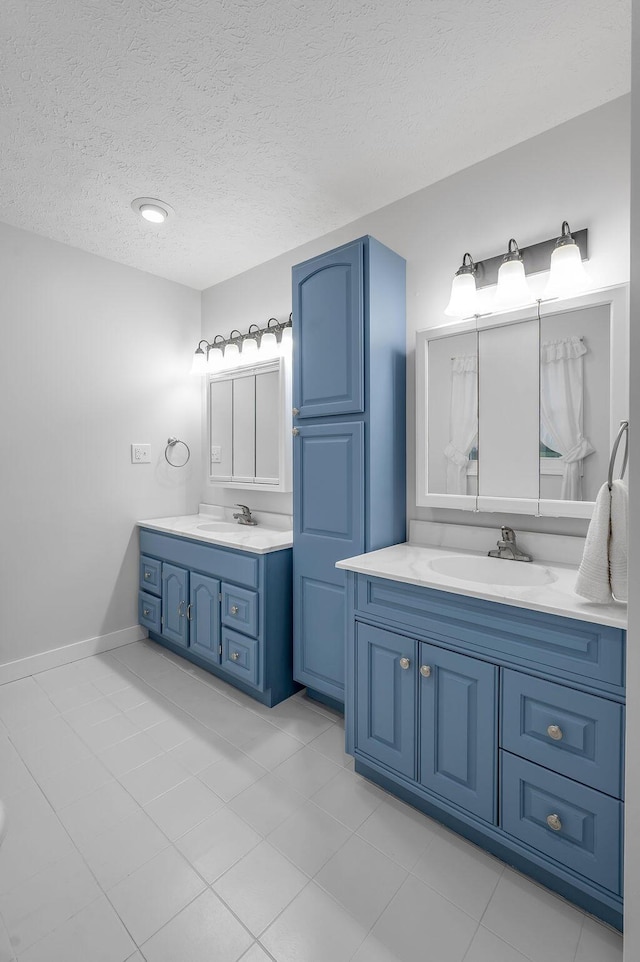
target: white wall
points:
(632, 786)
(578, 171)
(94, 356)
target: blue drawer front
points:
(568, 731)
(579, 648)
(150, 575)
(149, 611)
(211, 560)
(589, 824)
(240, 656)
(240, 609)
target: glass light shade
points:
(249, 346)
(462, 302)
(152, 213)
(231, 354)
(269, 345)
(287, 339)
(216, 359)
(567, 275)
(199, 364)
(512, 290)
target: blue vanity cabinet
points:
(506, 724)
(226, 610)
(349, 360)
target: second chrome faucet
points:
(507, 549)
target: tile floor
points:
(155, 813)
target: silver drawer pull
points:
(146, 612)
(189, 615)
(147, 575)
(235, 655)
(554, 823)
(425, 671)
(181, 610)
(404, 663)
(555, 732)
(234, 609)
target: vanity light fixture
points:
(257, 344)
(512, 290)
(152, 210)
(462, 302)
(567, 275)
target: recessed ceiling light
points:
(153, 210)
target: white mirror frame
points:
(617, 298)
(284, 482)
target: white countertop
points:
(409, 563)
(272, 533)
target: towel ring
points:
(624, 430)
(171, 443)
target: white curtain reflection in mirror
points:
(463, 421)
(562, 409)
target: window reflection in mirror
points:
(452, 427)
(574, 403)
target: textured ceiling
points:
(266, 123)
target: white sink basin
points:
(491, 571)
(214, 526)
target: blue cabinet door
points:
(328, 333)
(385, 710)
(328, 525)
(175, 591)
(204, 616)
(458, 729)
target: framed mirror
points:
(552, 388)
(249, 426)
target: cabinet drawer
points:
(240, 609)
(149, 611)
(572, 824)
(240, 656)
(533, 638)
(150, 575)
(568, 731)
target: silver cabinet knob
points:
(234, 609)
(554, 823)
(295, 412)
(295, 432)
(555, 732)
(147, 575)
(425, 671)
(404, 663)
(146, 612)
(235, 655)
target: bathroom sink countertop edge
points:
(410, 564)
(258, 539)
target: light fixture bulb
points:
(512, 290)
(268, 344)
(216, 359)
(287, 339)
(462, 302)
(231, 354)
(567, 275)
(199, 363)
(249, 346)
(156, 215)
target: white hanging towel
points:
(603, 571)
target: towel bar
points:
(624, 430)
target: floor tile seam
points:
(382, 852)
(130, 933)
(446, 897)
(295, 864)
(268, 954)
(548, 892)
(517, 948)
(209, 887)
(58, 926)
(264, 930)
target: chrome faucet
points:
(244, 516)
(507, 549)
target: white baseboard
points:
(23, 667)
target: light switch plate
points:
(141, 454)
(216, 454)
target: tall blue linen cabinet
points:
(349, 445)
